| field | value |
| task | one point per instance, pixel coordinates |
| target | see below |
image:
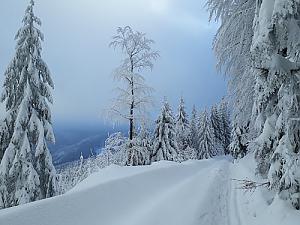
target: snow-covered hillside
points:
(165, 193)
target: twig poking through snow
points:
(249, 185)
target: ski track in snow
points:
(192, 193)
(234, 213)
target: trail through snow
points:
(190, 193)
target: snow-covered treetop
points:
(135, 96)
(166, 112)
(27, 66)
(137, 48)
(29, 17)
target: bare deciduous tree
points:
(134, 96)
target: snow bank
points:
(259, 207)
(165, 193)
(115, 172)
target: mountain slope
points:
(165, 193)
(72, 152)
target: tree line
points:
(178, 138)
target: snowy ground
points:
(166, 193)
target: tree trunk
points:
(131, 125)
(131, 122)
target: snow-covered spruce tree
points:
(275, 52)
(182, 128)
(206, 138)
(238, 146)
(225, 125)
(232, 46)
(145, 136)
(219, 116)
(216, 122)
(193, 134)
(80, 170)
(164, 143)
(26, 171)
(135, 97)
(5, 135)
(139, 153)
(86, 167)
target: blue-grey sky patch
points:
(77, 34)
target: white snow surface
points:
(165, 193)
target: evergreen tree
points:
(238, 145)
(206, 138)
(220, 120)
(259, 45)
(275, 52)
(225, 125)
(26, 171)
(193, 135)
(81, 161)
(165, 145)
(216, 121)
(182, 123)
(5, 135)
(182, 127)
(80, 173)
(145, 136)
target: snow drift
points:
(165, 193)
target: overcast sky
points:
(77, 34)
